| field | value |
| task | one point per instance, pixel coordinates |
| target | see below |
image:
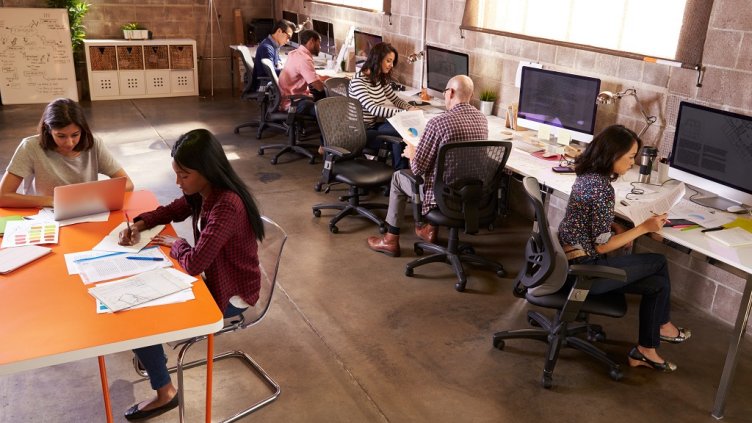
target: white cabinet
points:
(141, 68)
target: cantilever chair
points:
(247, 57)
(542, 282)
(336, 87)
(269, 254)
(467, 181)
(341, 123)
(288, 121)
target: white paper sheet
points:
(178, 297)
(139, 289)
(640, 211)
(120, 265)
(410, 125)
(110, 242)
(47, 214)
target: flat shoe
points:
(638, 359)
(684, 334)
(134, 413)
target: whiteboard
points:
(36, 58)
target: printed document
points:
(135, 290)
(410, 125)
(178, 297)
(640, 211)
(112, 266)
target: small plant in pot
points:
(134, 31)
(487, 99)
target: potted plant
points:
(487, 99)
(134, 31)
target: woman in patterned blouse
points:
(226, 226)
(588, 233)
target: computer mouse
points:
(736, 209)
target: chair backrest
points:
(336, 87)
(468, 177)
(247, 57)
(545, 268)
(272, 94)
(269, 255)
(341, 123)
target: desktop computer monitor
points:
(363, 43)
(713, 151)
(292, 17)
(441, 66)
(563, 101)
(326, 31)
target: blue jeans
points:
(647, 275)
(155, 362)
(386, 128)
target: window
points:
(368, 5)
(645, 29)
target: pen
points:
(656, 214)
(145, 258)
(97, 257)
(128, 223)
(717, 228)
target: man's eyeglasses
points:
(445, 90)
(288, 35)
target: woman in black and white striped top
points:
(371, 87)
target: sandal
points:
(683, 335)
(636, 358)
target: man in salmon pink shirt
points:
(299, 76)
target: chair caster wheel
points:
(312, 160)
(498, 344)
(491, 227)
(327, 189)
(467, 249)
(460, 286)
(533, 322)
(333, 229)
(382, 229)
(418, 251)
(409, 272)
(317, 213)
(273, 161)
(616, 374)
(317, 187)
(236, 130)
(594, 336)
(501, 273)
(260, 152)
(547, 381)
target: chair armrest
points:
(385, 146)
(586, 275)
(336, 151)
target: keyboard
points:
(526, 146)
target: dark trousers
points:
(647, 275)
(386, 128)
(154, 361)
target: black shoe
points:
(641, 360)
(134, 413)
(684, 334)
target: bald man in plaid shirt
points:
(461, 122)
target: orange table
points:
(47, 317)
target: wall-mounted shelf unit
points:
(121, 69)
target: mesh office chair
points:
(467, 181)
(247, 57)
(289, 121)
(341, 123)
(542, 283)
(269, 254)
(336, 87)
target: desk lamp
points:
(607, 97)
(415, 57)
(306, 24)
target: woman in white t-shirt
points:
(63, 152)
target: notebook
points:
(6, 219)
(87, 198)
(734, 237)
(13, 258)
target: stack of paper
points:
(139, 289)
(106, 266)
(734, 237)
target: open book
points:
(410, 125)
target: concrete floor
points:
(349, 337)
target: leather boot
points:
(427, 233)
(388, 244)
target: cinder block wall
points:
(727, 84)
(172, 19)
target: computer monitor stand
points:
(708, 199)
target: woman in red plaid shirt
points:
(226, 227)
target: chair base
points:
(349, 209)
(557, 336)
(454, 254)
(300, 148)
(254, 124)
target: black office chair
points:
(289, 121)
(248, 93)
(336, 87)
(467, 182)
(341, 123)
(542, 282)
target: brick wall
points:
(171, 19)
(727, 84)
